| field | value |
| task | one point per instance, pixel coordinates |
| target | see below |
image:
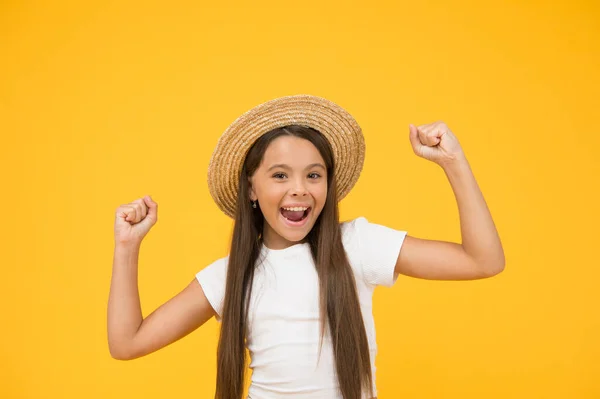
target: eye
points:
(314, 175)
(279, 175)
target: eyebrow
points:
(287, 167)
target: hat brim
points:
(336, 124)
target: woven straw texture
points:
(336, 124)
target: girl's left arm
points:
(480, 255)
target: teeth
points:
(296, 208)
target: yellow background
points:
(104, 102)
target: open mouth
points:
(295, 216)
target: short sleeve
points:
(212, 279)
(378, 248)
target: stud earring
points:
(254, 204)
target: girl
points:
(296, 287)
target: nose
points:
(299, 188)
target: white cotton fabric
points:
(284, 329)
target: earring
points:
(254, 204)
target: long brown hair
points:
(339, 305)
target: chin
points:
(294, 235)
(291, 235)
(293, 238)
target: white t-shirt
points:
(284, 332)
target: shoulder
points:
(214, 271)
(351, 229)
(221, 262)
(362, 229)
(350, 242)
(374, 247)
(213, 279)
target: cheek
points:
(320, 194)
(272, 195)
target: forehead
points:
(293, 151)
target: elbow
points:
(494, 268)
(487, 264)
(500, 264)
(491, 264)
(120, 352)
(495, 271)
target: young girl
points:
(296, 288)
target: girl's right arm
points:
(129, 334)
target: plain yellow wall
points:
(104, 102)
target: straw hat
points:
(336, 124)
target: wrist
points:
(127, 246)
(457, 163)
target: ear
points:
(253, 196)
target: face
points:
(291, 187)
